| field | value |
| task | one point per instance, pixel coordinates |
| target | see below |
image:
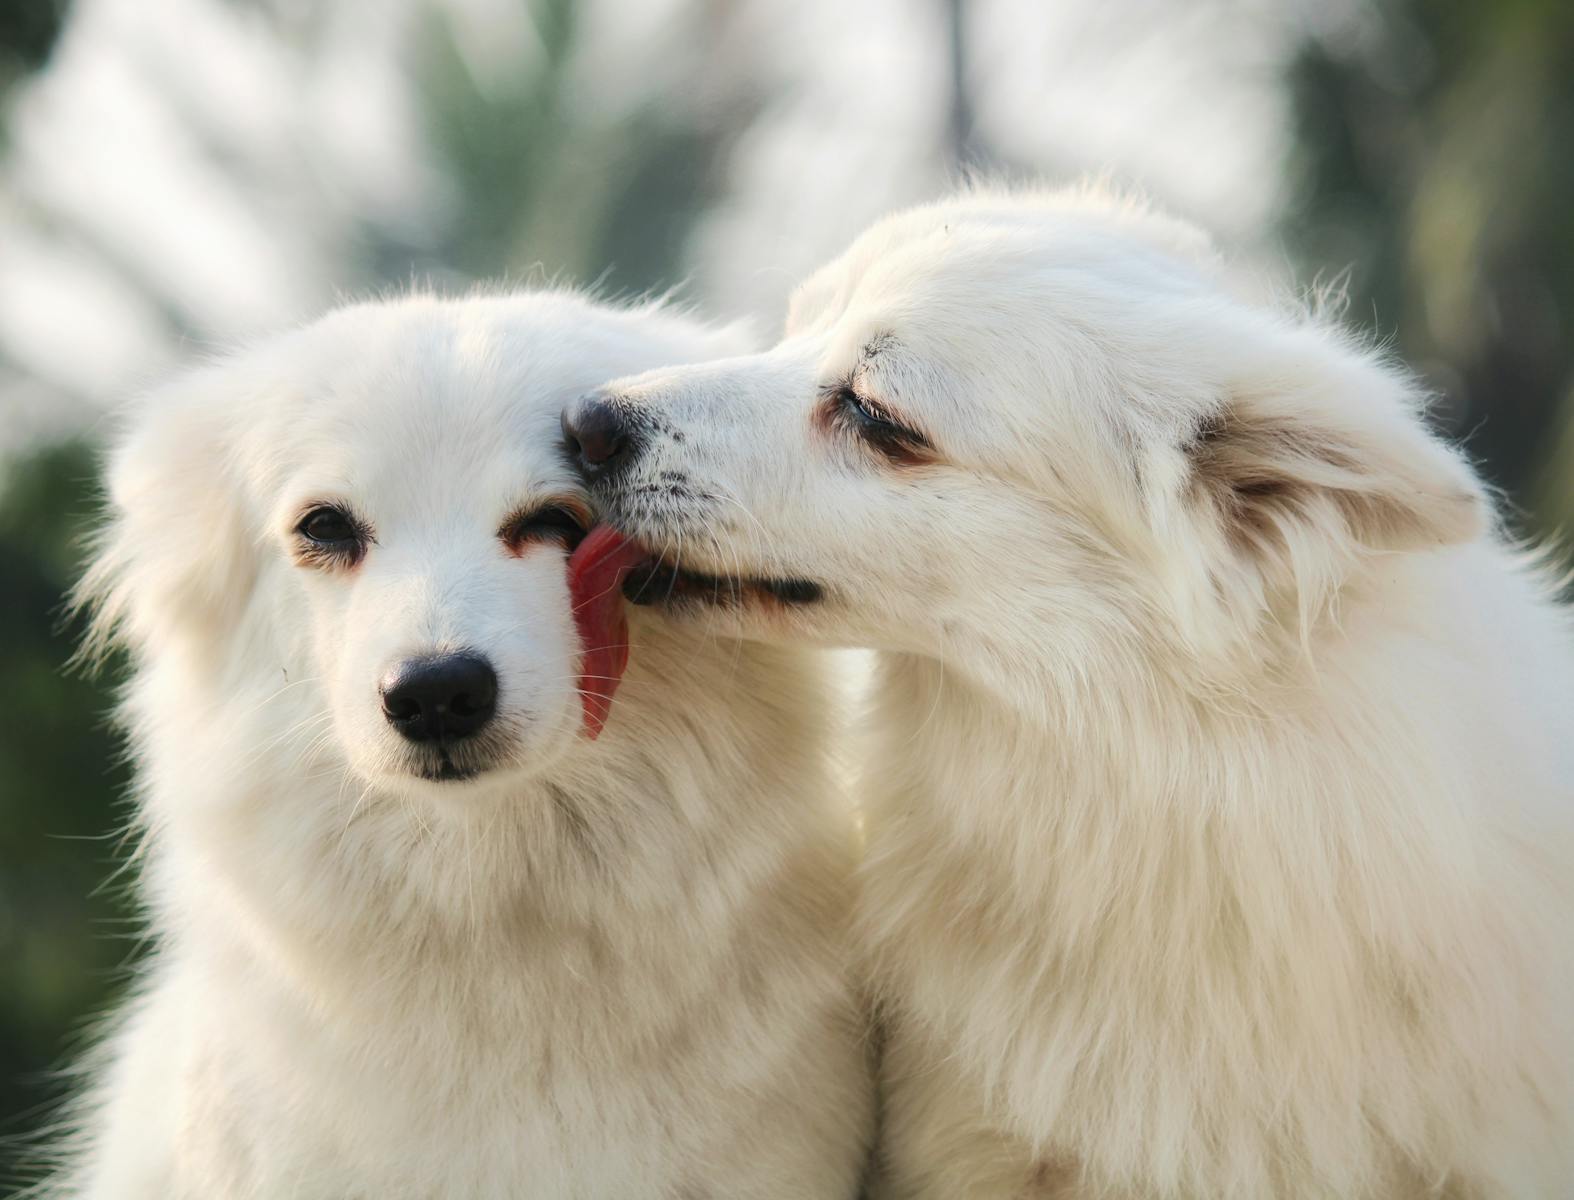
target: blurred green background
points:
(180, 174)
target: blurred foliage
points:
(1432, 157)
(61, 801)
(547, 187)
(28, 29)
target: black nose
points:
(598, 436)
(440, 696)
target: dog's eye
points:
(330, 534)
(855, 405)
(559, 523)
(328, 525)
(878, 429)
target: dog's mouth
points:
(609, 567)
(446, 770)
(657, 583)
(453, 762)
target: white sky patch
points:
(69, 329)
(631, 52)
(853, 125)
(108, 154)
(1182, 100)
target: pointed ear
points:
(175, 558)
(1331, 449)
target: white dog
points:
(1223, 777)
(420, 935)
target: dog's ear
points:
(1324, 448)
(175, 558)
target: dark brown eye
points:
(331, 534)
(877, 428)
(560, 522)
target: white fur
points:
(1221, 778)
(610, 968)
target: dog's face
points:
(1015, 428)
(415, 535)
(374, 514)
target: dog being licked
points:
(1220, 776)
(419, 934)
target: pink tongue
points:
(595, 583)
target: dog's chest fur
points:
(1228, 966)
(632, 982)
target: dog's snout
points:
(599, 436)
(440, 696)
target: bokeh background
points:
(179, 174)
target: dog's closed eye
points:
(877, 427)
(564, 522)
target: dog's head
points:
(1022, 427)
(349, 543)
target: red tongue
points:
(595, 583)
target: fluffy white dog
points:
(419, 933)
(1222, 786)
